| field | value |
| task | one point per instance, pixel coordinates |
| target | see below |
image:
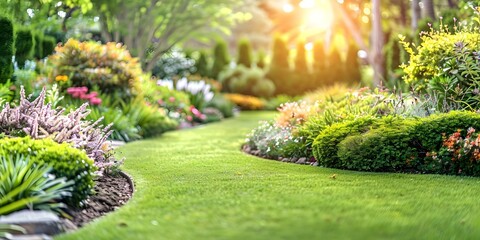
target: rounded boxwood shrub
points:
(65, 160)
(387, 148)
(325, 146)
(429, 131)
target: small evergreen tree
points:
(24, 45)
(336, 67)
(301, 58)
(221, 59)
(320, 64)
(202, 65)
(279, 71)
(261, 62)
(244, 53)
(353, 75)
(38, 48)
(303, 78)
(7, 49)
(48, 45)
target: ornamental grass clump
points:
(39, 120)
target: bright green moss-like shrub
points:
(386, 148)
(325, 145)
(66, 161)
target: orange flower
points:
(61, 78)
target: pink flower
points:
(189, 118)
(84, 96)
(95, 101)
(171, 99)
(71, 90)
(93, 94)
(160, 102)
(83, 89)
(195, 112)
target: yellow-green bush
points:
(65, 160)
(245, 102)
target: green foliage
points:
(24, 45)
(123, 128)
(225, 106)
(429, 130)
(48, 45)
(244, 53)
(108, 67)
(261, 60)
(201, 65)
(336, 67)
(459, 155)
(353, 75)
(65, 160)
(279, 71)
(221, 59)
(388, 147)
(325, 146)
(432, 57)
(38, 50)
(247, 81)
(320, 65)
(25, 184)
(7, 49)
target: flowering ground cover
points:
(197, 184)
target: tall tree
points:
(376, 52)
(244, 53)
(429, 9)
(416, 14)
(150, 28)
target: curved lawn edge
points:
(198, 184)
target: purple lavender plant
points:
(39, 121)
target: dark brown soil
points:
(111, 192)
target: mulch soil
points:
(111, 192)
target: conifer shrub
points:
(24, 45)
(336, 67)
(353, 75)
(279, 71)
(244, 53)
(221, 59)
(48, 45)
(201, 65)
(7, 47)
(261, 60)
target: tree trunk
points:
(377, 44)
(452, 4)
(429, 9)
(416, 14)
(403, 12)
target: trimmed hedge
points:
(65, 160)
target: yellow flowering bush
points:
(107, 66)
(245, 102)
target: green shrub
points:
(353, 75)
(38, 50)
(7, 49)
(225, 106)
(24, 184)
(279, 71)
(244, 53)
(65, 160)
(429, 58)
(325, 146)
(24, 45)
(201, 65)
(320, 65)
(430, 130)
(387, 148)
(109, 67)
(48, 45)
(336, 67)
(261, 60)
(248, 81)
(221, 59)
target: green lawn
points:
(197, 184)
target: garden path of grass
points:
(196, 184)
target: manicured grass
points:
(196, 184)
